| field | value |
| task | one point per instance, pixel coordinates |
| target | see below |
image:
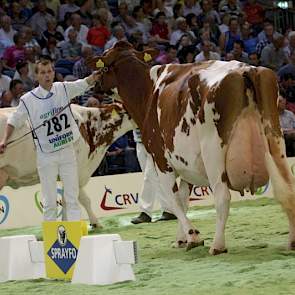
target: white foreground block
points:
(16, 261)
(97, 263)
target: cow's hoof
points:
(214, 251)
(291, 246)
(179, 244)
(96, 226)
(192, 245)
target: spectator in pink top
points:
(14, 53)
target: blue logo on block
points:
(64, 256)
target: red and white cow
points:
(213, 123)
(99, 127)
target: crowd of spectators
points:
(184, 31)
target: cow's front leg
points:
(222, 203)
(191, 235)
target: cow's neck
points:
(135, 88)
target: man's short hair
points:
(43, 62)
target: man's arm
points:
(8, 132)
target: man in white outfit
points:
(55, 131)
(151, 186)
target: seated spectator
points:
(249, 41)
(25, 8)
(12, 96)
(287, 88)
(82, 30)
(68, 7)
(30, 58)
(31, 42)
(169, 56)
(80, 69)
(54, 6)
(18, 20)
(287, 122)
(231, 8)
(187, 55)
(208, 12)
(227, 39)
(51, 49)
(39, 19)
(4, 79)
(192, 23)
(118, 34)
(142, 23)
(291, 44)
(254, 59)
(223, 27)
(92, 102)
(160, 28)
(265, 37)
(207, 53)
(182, 28)
(14, 53)
(254, 14)
(213, 30)
(71, 50)
(288, 68)
(22, 74)
(273, 55)
(191, 6)
(239, 53)
(6, 34)
(121, 158)
(206, 37)
(99, 34)
(51, 31)
(6, 99)
(184, 41)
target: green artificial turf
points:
(257, 262)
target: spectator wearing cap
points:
(82, 30)
(118, 34)
(239, 53)
(227, 39)
(39, 19)
(22, 74)
(273, 55)
(206, 52)
(160, 28)
(68, 7)
(99, 34)
(14, 53)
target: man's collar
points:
(42, 93)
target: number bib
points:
(58, 129)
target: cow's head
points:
(121, 54)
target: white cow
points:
(99, 128)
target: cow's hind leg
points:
(85, 202)
(283, 186)
(167, 182)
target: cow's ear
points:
(147, 55)
(95, 62)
